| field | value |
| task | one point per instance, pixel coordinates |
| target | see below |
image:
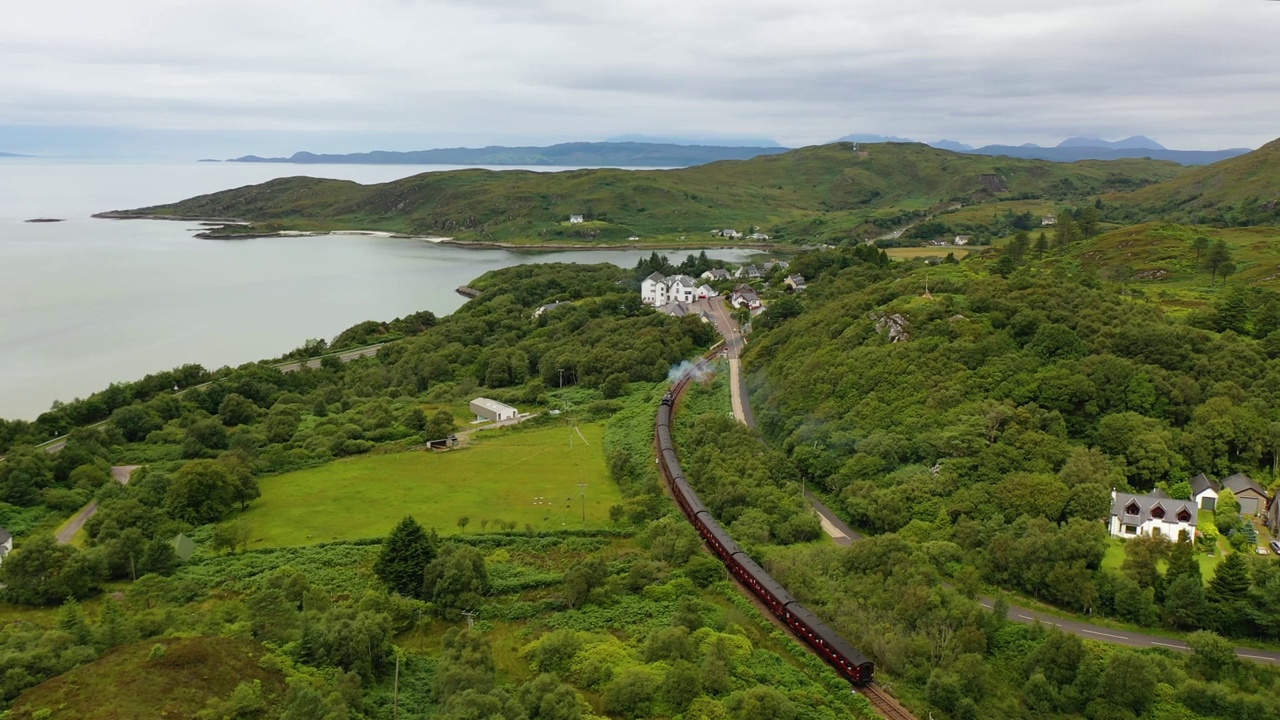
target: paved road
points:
(842, 534)
(121, 474)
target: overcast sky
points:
(274, 76)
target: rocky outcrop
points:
(894, 324)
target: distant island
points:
(45, 220)
(1075, 148)
(579, 154)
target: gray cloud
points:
(1192, 73)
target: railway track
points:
(885, 704)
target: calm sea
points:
(85, 303)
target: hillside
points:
(617, 154)
(1240, 191)
(814, 194)
(128, 682)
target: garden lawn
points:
(1114, 559)
(526, 476)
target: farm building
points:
(1152, 514)
(1250, 495)
(486, 409)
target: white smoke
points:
(699, 371)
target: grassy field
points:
(526, 476)
(904, 253)
(1159, 259)
(985, 212)
(1114, 559)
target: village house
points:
(1152, 514)
(747, 271)
(795, 282)
(706, 291)
(716, 274)
(1049, 220)
(486, 409)
(1252, 498)
(745, 297)
(727, 232)
(757, 236)
(576, 219)
(770, 265)
(679, 309)
(1205, 492)
(6, 544)
(963, 239)
(658, 290)
(549, 307)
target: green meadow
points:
(529, 477)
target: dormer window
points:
(1184, 516)
(1132, 508)
(1157, 512)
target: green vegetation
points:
(516, 477)
(828, 193)
(171, 677)
(1239, 191)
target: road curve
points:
(842, 534)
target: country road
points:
(119, 473)
(840, 532)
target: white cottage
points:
(658, 290)
(1153, 514)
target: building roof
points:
(717, 273)
(1146, 503)
(796, 279)
(656, 277)
(493, 405)
(1201, 483)
(1240, 482)
(5, 536)
(675, 309)
(550, 306)
(682, 280)
(183, 546)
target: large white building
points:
(658, 290)
(1153, 514)
(486, 409)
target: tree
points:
(1130, 681)
(201, 492)
(614, 385)
(236, 409)
(582, 578)
(681, 685)
(631, 693)
(135, 422)
(41, 572)
(229, 536)
(761, 703)
(203, 438)
(1230, 580)
(1233, 311)
(405, 554)
(1217, 256)
(1042, 244)
(114, 627)
(1212, 657)
(71, 620)
(1200, 244)
(23, 474)
(456, 580)
(1185, 606)
(416, 420)
(441, 426)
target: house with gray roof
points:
(6, 544)
(1153, 514)
(1204, 490)
(1253, 499)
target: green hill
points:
(131, 682)
(1244, 190)
(819, 193)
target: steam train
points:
(837, 651)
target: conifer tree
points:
(1230, 581)
(72, 622)
(405, 553)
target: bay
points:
(86, 302)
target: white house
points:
(549, 307)
(1153, 514)
(6, 544)
(727, 232)
(658, 290)
(1205, 492)
(795, 282)
(716, 274)
(758, 236)
(745, 296)
(1049, 220)
(576, 219)
(706, 291)
(747, 271)
(486, 409)
(963, 239)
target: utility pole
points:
(471, 620)
(582, 490)
(561, 377)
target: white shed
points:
(486, 409)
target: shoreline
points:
(212, 234)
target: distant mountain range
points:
(582, 154)
(5, 154)
(1076, 148)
